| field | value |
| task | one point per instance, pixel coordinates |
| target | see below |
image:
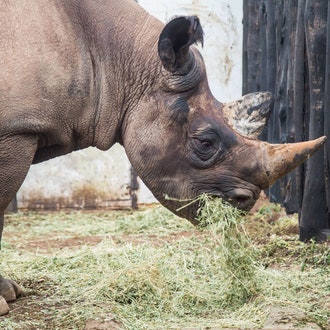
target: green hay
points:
(238, 258)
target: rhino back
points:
(60, 71)
(45, 76)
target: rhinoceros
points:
(83, 73)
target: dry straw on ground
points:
(152, 270)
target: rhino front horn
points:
(279, 159)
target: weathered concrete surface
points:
(87, 179)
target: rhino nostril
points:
(241, 198)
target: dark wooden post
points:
(327, 119)
(314, 213)
(251, 42)
(299, 85)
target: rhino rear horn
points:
(175, 39)
(249, 114)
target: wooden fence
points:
(286, 50)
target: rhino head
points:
(183, 142)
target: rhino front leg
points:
(4, 308)
(16, 155)
(9, 290)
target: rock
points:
(287, 319)
(109, 323)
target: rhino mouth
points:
(241, 198)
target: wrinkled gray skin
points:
(86, 73)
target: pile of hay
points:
(152, 270)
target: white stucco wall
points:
(223, 36)
(91, 178)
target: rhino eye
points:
(206, 143)
(203, 150)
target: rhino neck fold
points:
(121, 60)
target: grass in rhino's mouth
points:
(238, 258)
(209, 205)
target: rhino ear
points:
(175, 39)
